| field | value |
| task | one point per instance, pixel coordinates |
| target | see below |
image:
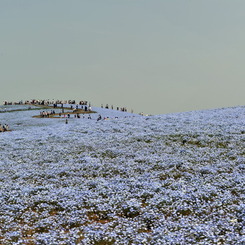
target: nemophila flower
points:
(170, 179)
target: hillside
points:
(130, 179)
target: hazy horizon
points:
(154, 57)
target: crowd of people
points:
(47, 113)
(85, 105)
(124, 109)
(4, 127)
(62, 104)
(45, 102)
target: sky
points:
(151, 56)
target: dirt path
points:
(61, 114)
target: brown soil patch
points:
(60, 114)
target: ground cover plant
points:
(129, 179)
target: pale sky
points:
(152, 56)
